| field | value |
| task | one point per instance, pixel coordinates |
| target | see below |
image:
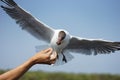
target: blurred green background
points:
(40, 75)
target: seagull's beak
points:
(61, 37)
(59, 41)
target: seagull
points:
(59, 39)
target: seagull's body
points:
(60, 40)
(64, 43)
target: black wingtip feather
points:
(118, 48)
(2, 6)
(9, 2)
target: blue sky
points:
(96, 19)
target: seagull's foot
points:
(64, 58)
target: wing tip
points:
(9, 2)
(2, 6)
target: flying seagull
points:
(60, 40)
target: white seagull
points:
(60, 40)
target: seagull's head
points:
(61, 37)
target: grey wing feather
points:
(89, 47)
(27, 21)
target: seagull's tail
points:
(61, 56)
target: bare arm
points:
(43, 57)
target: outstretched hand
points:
(47, 56)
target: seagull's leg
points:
(64, 58)
(57, 56)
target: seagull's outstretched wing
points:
(27, 21)
(92, 46)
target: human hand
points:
(46, 56)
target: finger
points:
(53, 56)
(48, 50)
(53, 61)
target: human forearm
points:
(16, 73)
(43, 57)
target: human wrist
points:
(32, 61)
